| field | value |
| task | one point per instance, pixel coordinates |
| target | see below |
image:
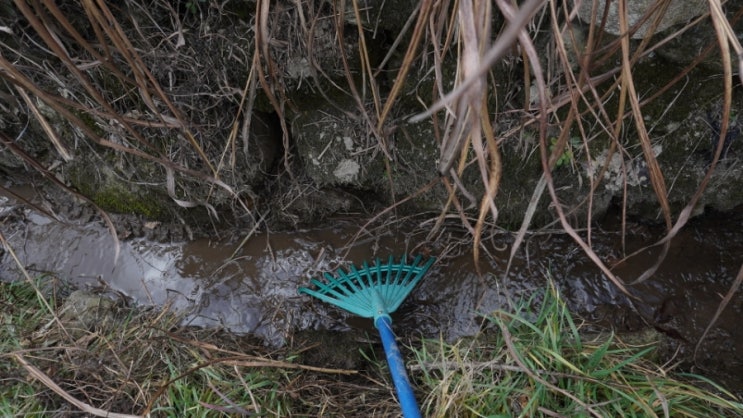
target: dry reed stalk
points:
(721, 307)
(270, 82)
(575, 92)
(721, 28)
(628, 84)
(82, 406)
(548, 162)
(373, 123)
(61, 149)
(110, 39)
(495, 52)
(424, 13)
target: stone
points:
(678, 11)
(85, 311)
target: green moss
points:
(111, 193)
(88, 120)
(119, 200)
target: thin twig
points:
(721, 307)
(48, 382)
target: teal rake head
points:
(372, 291)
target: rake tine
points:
(351, 283)
(329, 299)
(402, 278)
(341, 288)
(325, 293)
(410, 276)
(388, 283)
(325, 287)
(376, 272)
(367, 272)
(332, 286)
(398, 286)
(393, 285)
(401, 269)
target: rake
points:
(375, 292)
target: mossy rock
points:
(112, 193)
(337, 149)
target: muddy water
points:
(255, 291)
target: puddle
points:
(256, 291)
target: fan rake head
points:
(371, 291)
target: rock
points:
(336, 147)
(84, 311)
(331, 348)
(678, 11)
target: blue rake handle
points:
(397, 368)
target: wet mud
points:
(252, 288)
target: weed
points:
(193, 6)
(567, 157)
(544, 366)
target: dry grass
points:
(565, 86)
(546, 366)
(119, 361)
(117, 84)
(131, 80)
(107, 84)
(122, 361)
(578, 91)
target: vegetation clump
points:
(541, 364)
(124, 360)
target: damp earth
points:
(247, 282)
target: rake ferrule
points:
(380, 311)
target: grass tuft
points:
(541, 365)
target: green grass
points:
(543, 366)
(127, 361)
(218, 390)
(134, 361)
(21, 314)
